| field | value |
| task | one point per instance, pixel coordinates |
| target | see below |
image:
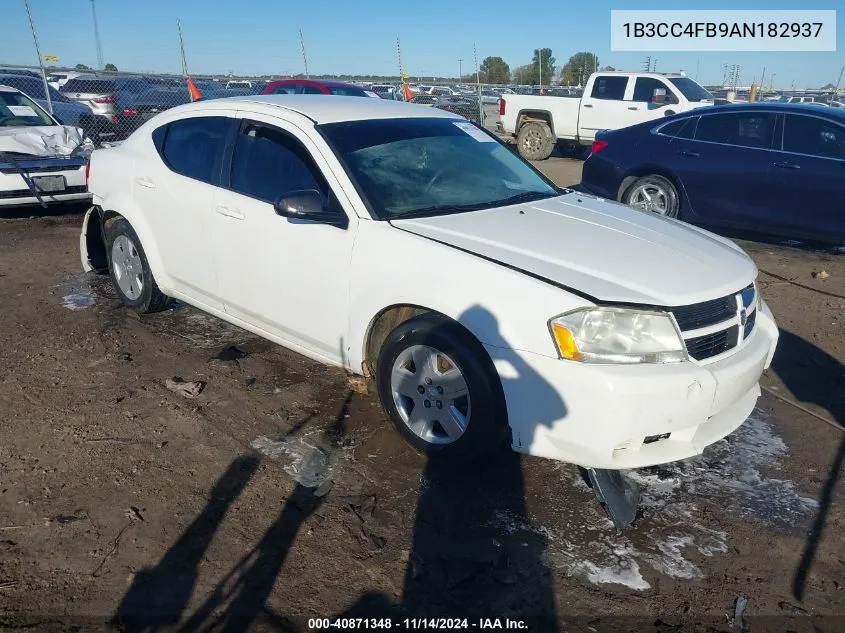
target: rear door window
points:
(286, 89)
(611, 87)
(310, 90)
(742, 129)
(194, 147)
(682, 128)
(813, 136)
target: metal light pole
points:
(772, 82)
(97, 37)
(836, 90)
(540, 64)
(460, 69)
(38, 52)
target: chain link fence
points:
(109, 106)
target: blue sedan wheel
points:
(655, 194)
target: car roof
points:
(320, 108)
(764, 105)
(314, 82)
(4, 88)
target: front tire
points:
(535, 141)
(655, 194)
(129, 270)
(440, 389)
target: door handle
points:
(786, 165)
(587, 105)
(145, 182)
(229, 212)
(686, 152)
(633, 108)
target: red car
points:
(310, 87)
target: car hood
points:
(599, 248)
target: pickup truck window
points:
(611, 87)
(691, 90)
(751, 129)
(645, 87)
(813, 136)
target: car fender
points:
(122, 203)
(501, 306)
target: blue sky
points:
(343, 36)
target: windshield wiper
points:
(445, 209)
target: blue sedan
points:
(768, 167)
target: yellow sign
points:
(51, 58)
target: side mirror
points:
(659, 96)
(309, 205)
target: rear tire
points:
(451, 406)
(129, 270)
(655, 194)
(535, 141)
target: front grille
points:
(700, 315)
(709, 345)
(26, 193)
(29, 169)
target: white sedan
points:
(408, 244)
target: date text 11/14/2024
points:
(415, 624)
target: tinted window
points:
(609, 87)
(691, 90)
(268, 163)
(814, 136)
(645, 87)
(193, 147)
(348, 92)
(286, 89)
(311, 90)
(97, 86)
(751, 129)
(683, 128)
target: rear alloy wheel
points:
(655, 194)
(440, 389)
(130, 271)
(535, 141)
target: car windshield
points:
(32, 87)
(18, 110)
(691, 90)
(432, 166)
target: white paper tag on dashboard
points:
(20, 110)
(474, 132)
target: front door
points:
(287, 277)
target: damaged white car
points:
(41, 161)
(408, 244)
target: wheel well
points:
(382, 325)
(95, 240)
(534, 116)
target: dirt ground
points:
(281, 493)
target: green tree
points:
(110, 68)
(578, 68)
(543, 60)
(494, 70)
(522, 75)
(81, 67)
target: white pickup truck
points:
(611, 100)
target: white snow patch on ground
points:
(670, 535)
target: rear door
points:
(175, 190)
(723, 168)
(807, 178)
(604, 108)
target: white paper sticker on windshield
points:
(474, 132)
(22, 110)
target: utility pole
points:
(478, 85)
(838, 81)
(540, 64)
(182, 48)
(38, 52)
(97, 37)
(304, 56)
(460, 69)
(647, 64)
(399, 59)
(763, 79)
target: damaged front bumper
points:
(621, 417)
(55, 179)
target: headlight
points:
(618, 336)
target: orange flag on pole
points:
(196, 95)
